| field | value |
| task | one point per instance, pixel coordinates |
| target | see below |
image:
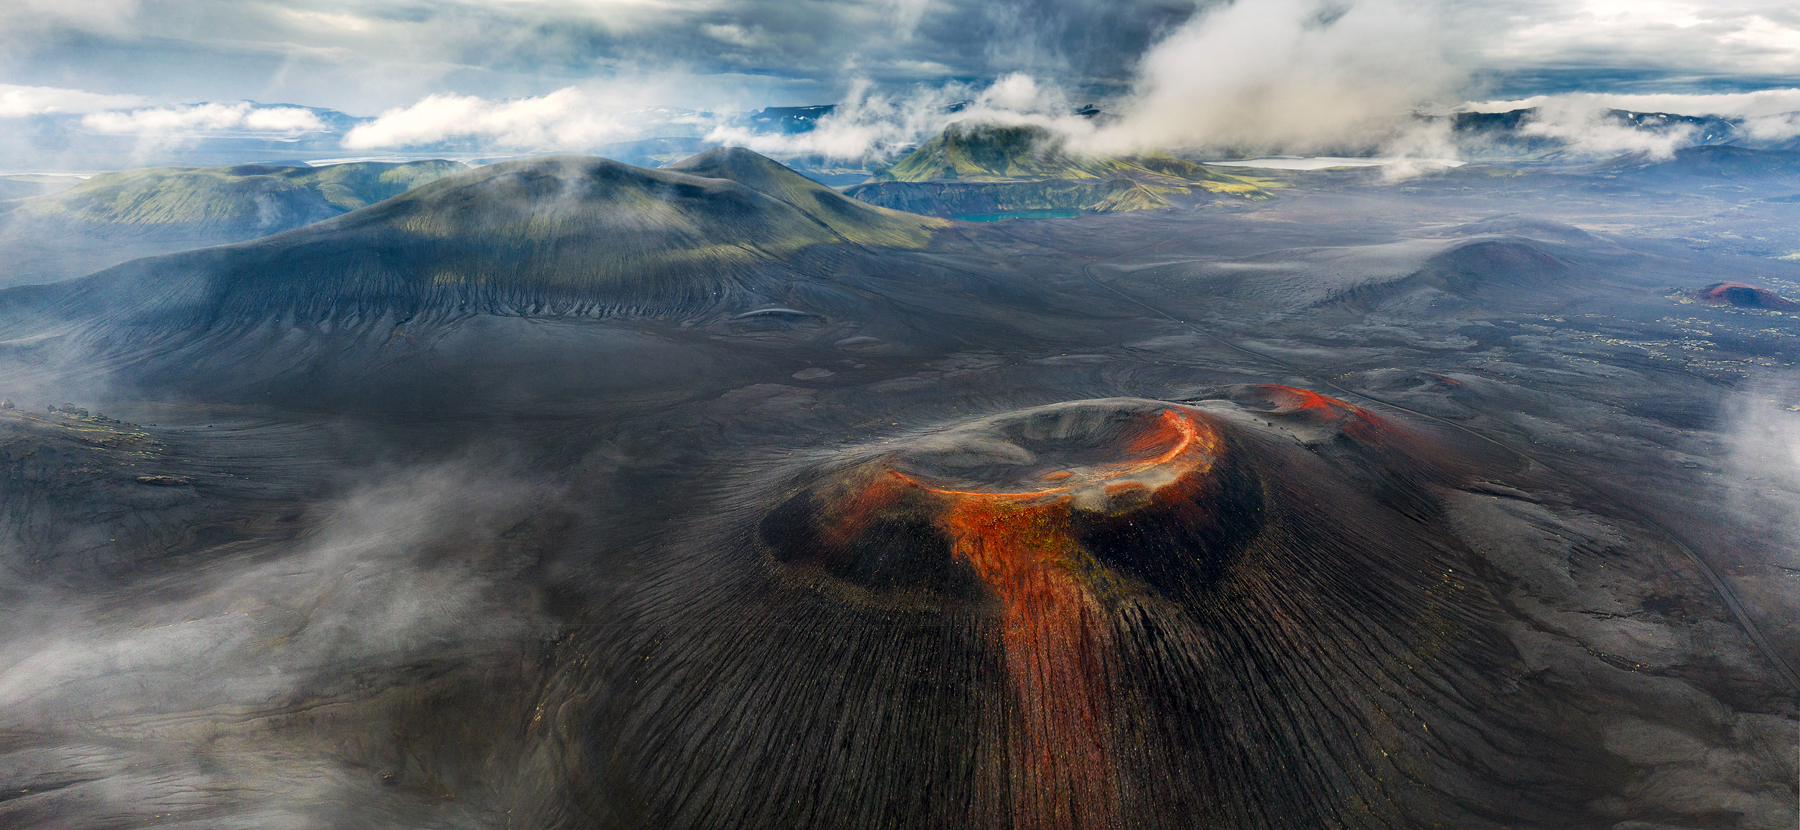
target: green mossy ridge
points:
(996, 154)
(226, 199)
(979, 198)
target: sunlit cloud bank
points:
(50, 128)
(563, 119)
(23, 101)
(571, 118)
(205, 118)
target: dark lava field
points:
(566, 494)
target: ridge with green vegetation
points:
(958, 199)
(994, 153)
(114, 217)
(227, 200)
(967, 162)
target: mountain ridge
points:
(572, 234)
(114, 217)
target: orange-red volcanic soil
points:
(1054, 636)
(1319, 410)
(1012, 525)
(1744, 296)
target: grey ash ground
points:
(410, 540)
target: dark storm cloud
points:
(369, 56)
(373, 55)
(542, 75)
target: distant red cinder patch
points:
(1744, 296)
(1290, 400)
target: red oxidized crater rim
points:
(1085, 455)
(1012, 502)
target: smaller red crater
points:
(1310, 406)
(1744, 296)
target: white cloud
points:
(1763, 34)
(906, 15)
(867, 121)
(204, 118)
(1760, 473)
(1585, 131)
(1737, 104)
(329, 21)
(565, 119)
(1290, 73)
(574, 118)
(20, 101)
(1764, 115)
(731, 33)
(617, 15)
(1670, 36)
(1293, 74)
(1772, 127)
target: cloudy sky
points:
(558, 72)
(367, 56)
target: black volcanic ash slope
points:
(117, 216)
(566, 233)
(851, 219)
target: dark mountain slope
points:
(571, 234)
(1708, 164)
(854, 220)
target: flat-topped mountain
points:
(1751, 167)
